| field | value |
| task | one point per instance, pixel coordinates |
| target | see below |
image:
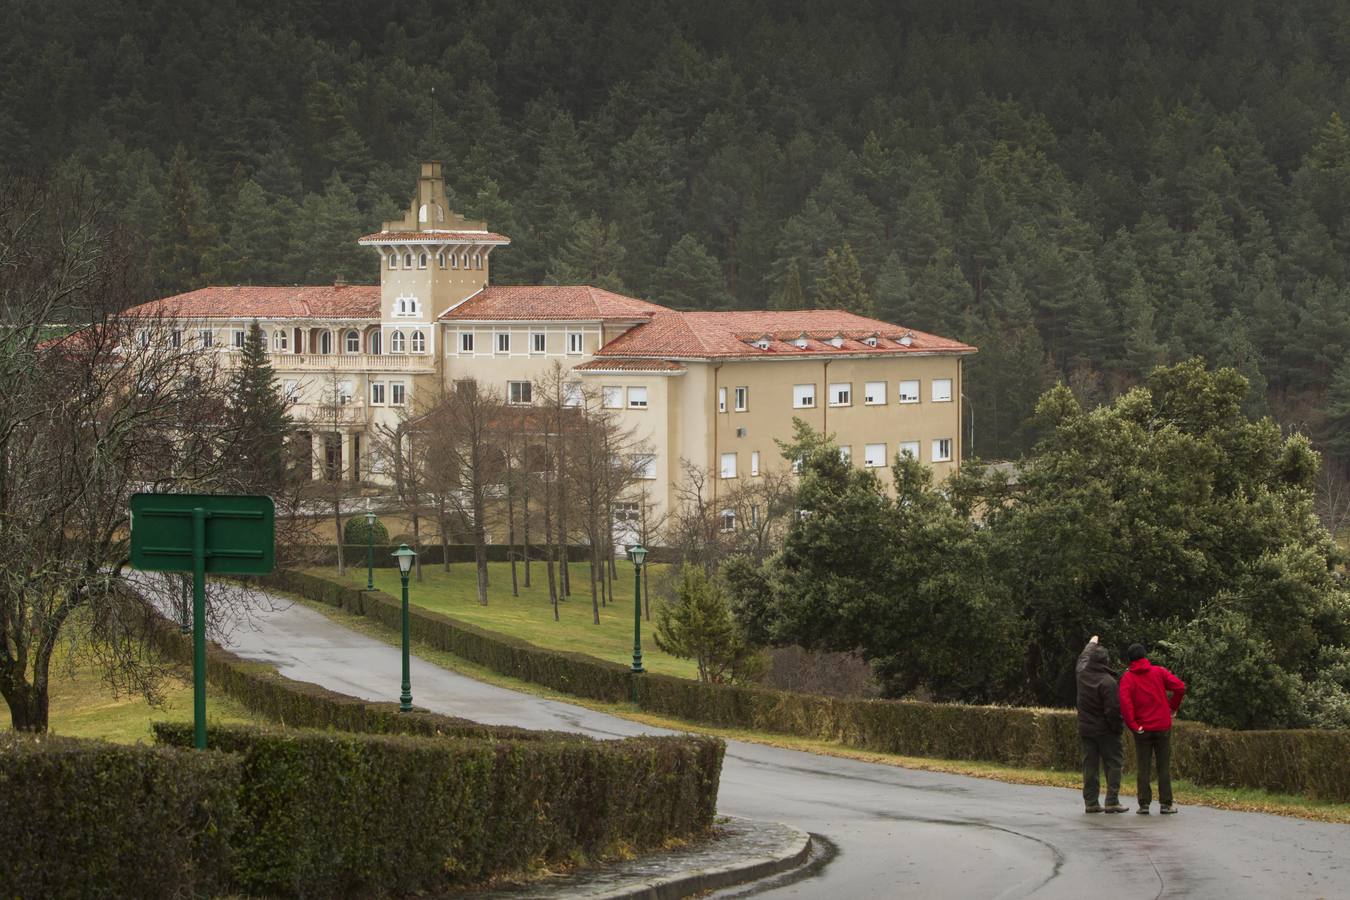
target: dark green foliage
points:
(92, 819)
(843, 286)
(357, 532)
(326, 814)
(258, 417)
(697, 624)
(1299, 762)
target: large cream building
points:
(713, 388)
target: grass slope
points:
(530, 616)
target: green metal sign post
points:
(218, 534)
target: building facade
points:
(712, 389)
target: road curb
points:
(744, 850)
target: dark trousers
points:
(1148, 745)
(1104, 751)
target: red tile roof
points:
(501, 302)
(353, 301)
(629, 365)
(445, 237)
(731, 334)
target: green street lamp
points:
(405, 559)
(637, 553)
(370, 548)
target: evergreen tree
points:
(259, 419)
(791, 296)
(843, 286)
(593, 255)
(690, 278)
(186, 234)
(1336, 431)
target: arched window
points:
(422, 261)
(454, 260)
(466, 259)
(419, 342)
(375, 343)
(279, 339)
(393, 260)
(477, 261)
(325, 342)
(353, 342)
(396, 342)
(407, 260)
(440, 260)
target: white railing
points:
(346, 362)
(317, 415)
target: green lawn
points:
(83, 706)
(530, 616)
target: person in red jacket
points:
(1149, 695)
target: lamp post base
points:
(405, 700)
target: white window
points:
(353, 342)
(942, 450)
(393, 260)
(846, 453)
(407, 260)
(396, 342)
(290, 389)
(477, 261)
(279, 339)
(466, 259)
(909, 448)
(454, 261)
(874, 392)
(344, 393)
(644, 466)
(398, 393)
(754, 462)
(572, 394)
(236, 339)
(841, 393)
(538, 342)
(803, 396)
(175, 339)
(721, 399)
(519, 392)
(728, 469)
(325, 342)
(874, 456)
(206, 337)
(144, 337)
(726, 521)
(407, 307)
(419, 342)
(797, 466)
(637, 397)
(377, 393)
(466, 342)
(942, 390)
(611, 397)
(909, 392)
(754, 516)
(422, 261)
(440, 259)
(742, 399)
(503, 342)
(574, 342)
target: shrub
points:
(328, 814)
(93, 819)
(357, 532)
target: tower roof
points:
(429, 218)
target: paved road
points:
(898, 832)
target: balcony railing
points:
(317, 415)
(348, 362)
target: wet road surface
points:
(895, 832)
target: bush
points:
(1296, 762)
(325, 814)
(357, 532)
(93, 819)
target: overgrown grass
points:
(82, 705)
(1186, 793)
(530, 616)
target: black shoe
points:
(1115, 808)
(1143, 810)
(1168, 810)
(1093, 808)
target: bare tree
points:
(88, 417)
(326, 419)
(409, 449)
(1333, 498)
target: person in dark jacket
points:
(1099, 727)
(1149, 696)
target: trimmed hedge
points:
(431, 553)
(92, 819)
(1307, 762)
(333, 814)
